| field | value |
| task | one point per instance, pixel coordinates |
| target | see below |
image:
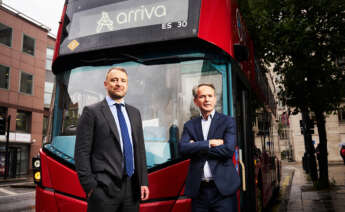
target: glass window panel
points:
(26, 83)
(49, 59)
(47, 99)
(45, 125)
(50, 77)
(341, 115)
(162, 93)
(48, 92)
(4, 76)
(48, 87)
(5, 35)
(28, 45)
(23, 121)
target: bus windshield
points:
(161, 91)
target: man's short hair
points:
(116, 68)
(195, 88)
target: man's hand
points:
(90, 193)
(191, 141)
(216, 142)
(144, 192)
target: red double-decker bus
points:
(167, 47)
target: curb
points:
(24, 185)
(286, 184)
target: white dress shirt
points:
(205, 125)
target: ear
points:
(105, 83)
(195, 102)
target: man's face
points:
(206, 99)
(116, 84)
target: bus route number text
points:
(178, 24)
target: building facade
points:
(291, 139)
(25, 48)
(335, 130)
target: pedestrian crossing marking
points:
(7, 191)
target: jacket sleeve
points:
(82, 154)
(225, 151)
(190, 149)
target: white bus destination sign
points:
(126, 15)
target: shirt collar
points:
(110, 101)
(210, 116)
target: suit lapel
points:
(198, 128)
(110, 119)
(213, 126)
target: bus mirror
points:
(241, 52)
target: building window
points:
(283, 133)
(48, 93)
(28, 45)
(3, 112)
(26, 82)
(49, 58)
(4, 76)
(23, 121)
(341, 115)
(5, 35)
(45, 125)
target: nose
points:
(117, 83)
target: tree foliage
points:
(305, 40)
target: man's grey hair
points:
(195, 88)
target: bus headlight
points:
(37, 164)
(36, 169)
(37, 177)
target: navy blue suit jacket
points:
(219, 158)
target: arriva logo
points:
(133, 16)
(129, 14)
(141, 14)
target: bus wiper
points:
(164, 60)
(167, 60)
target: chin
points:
(116, 96)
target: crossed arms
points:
(221, 147)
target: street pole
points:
(309, 156)
(7, 162)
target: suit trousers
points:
(122, 201)
(210, 200)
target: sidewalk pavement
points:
(23, 182)
(300, 195)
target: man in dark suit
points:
(110, 153)
(209, 141)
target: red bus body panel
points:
(45, 200)
(60, 189)
(46, 180)
(215, 24)
(64, 179)
(169, 181)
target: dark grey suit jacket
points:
(98, 155)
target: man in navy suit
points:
(209, 141)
